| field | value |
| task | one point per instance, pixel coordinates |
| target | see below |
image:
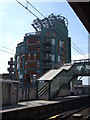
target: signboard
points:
(21, 76)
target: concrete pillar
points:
(49, 92)
(72, 86)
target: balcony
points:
(46, 49)
(47, 58)
(47, 65)
(32, 33)
(47, 42)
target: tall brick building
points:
(43, 50)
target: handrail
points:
(43, 89)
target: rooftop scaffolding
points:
(49, 22)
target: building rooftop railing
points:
(32, 33)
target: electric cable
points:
(6, 48)
(35, 8)
(27, 9)
(6, 51)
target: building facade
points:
(43, 50)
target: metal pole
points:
(37, 89)
(77, 85)
(49, 90)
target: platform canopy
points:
(82, 10)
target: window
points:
(38, 42)
(26, 49)
(38, 64)
(58, 58)
(60, 43)
(22, 50)
(18, 67)
(38, 47)
(35, 56)
(54, 34)
(53, 48)
(38, 71)
(47, 34)
(47, 55)
(53, 57)
(25, 63)
(27, 42)
(53, 41)
(29, 55)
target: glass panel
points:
(53, 41)
(60, 43)
(53, 57)
(58, 58)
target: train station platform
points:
(38, 109)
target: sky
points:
(15, 21)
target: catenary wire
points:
(6, 51)
(6, 48)
(27, 9)
(35, 8)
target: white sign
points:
(20, 76)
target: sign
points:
(21, 76)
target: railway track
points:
(82, 113)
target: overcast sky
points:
(15, 21)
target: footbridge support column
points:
(72, 86)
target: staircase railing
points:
(43, 89)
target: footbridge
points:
(50, 83)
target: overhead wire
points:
(6, 51)
(27, 9)
(77, 49)
(35, 8)
(6, 48)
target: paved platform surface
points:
(35, 103)
(28, 104)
